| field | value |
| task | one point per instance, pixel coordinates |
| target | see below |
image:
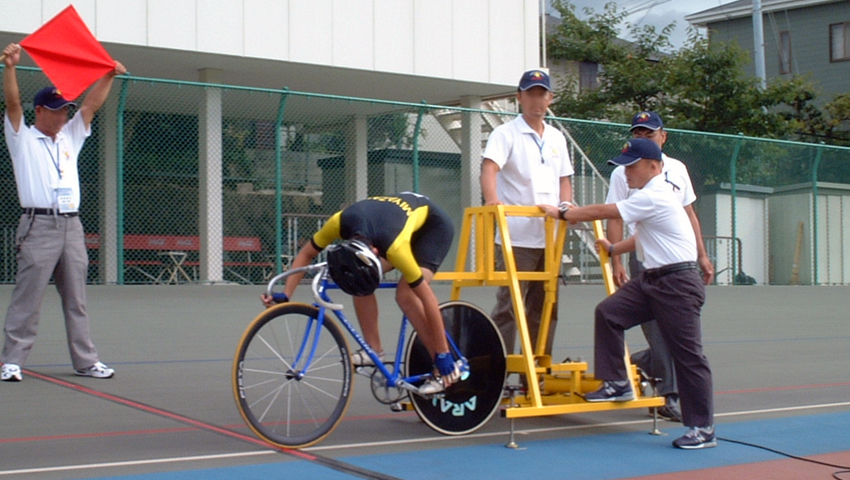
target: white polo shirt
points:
(676, 174)
(530, 173)
(664, 232)
(44, 168)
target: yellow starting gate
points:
(564, 384)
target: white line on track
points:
(559, 429)
(393, 442)
(135, 462)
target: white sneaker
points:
(431, 387)
(98, 370)
(11, 373)
(362, 359)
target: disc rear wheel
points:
(469, 403)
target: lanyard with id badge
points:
(63, 195)
(546, 185)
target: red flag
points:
(68, 53)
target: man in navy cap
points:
(526, 162)
(50, 240)
(670, 290)
(656, 361)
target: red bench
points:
(248, 245)
(173, 250)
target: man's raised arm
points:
(97, 96)
(11, 92)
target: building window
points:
(784, 52)
(588, 76)
(839, 42)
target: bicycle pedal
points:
(463, 365)
(365, 370)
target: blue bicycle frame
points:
(314, 329)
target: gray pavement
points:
(172, 348)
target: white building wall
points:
(833, 233)
(833, 238)
(752, 229)
(430, 21)
(486, 41)
(789, 210)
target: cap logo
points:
(643, 116)
(626, 147)
(537, 75)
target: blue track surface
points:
(593, 457)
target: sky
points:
(660, 15)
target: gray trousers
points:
(674, 301)
(49, 246)
(656, 360)
(533, 295)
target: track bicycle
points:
(292, 373)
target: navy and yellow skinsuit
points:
(408, 229)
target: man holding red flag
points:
(50, 239)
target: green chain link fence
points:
(224, 184)
(756, 202)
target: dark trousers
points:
(674, 301)
(533, 293)
(656, 360)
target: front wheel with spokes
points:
(292, 375)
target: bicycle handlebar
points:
(321, 301)
(321, 271)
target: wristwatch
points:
(563, 208)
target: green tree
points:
(632, 77)
(707, 89)
(700, 87)
(837, 120)
(391, 130)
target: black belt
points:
(668, 269)
(48, 211)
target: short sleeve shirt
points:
(531, 168)
(664, 232)
(675, 173)
(42, 166)
(390, 222)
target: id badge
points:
(65, 201)
(639, 252)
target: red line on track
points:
(169, 430)
(164, 413)
(319, 460)
(230, 432)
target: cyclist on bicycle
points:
(406, 231)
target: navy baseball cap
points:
(51, 98)
(637, 149)
(534, 78)
(649, 120)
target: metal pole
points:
(543, 34)
(278, 183)
(815, 166)
(416, 131)
(758, 42)
(119, 188)
(733, 173)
